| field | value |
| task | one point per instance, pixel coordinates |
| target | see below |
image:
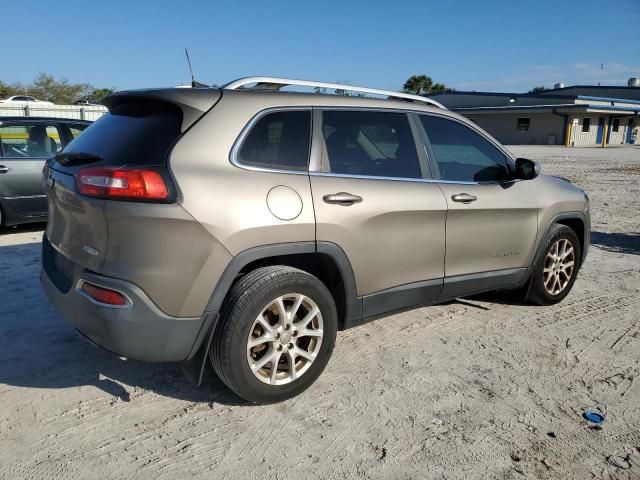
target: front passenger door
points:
(492, 218)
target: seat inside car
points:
(39, 142)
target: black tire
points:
(538, 293)
(245, 301)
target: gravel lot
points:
(479, 388)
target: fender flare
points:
(193, 366)
(547, 234)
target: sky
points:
(483, 45)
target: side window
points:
(278, 140)
(370, 143)
(463, 155)
(23, 140)
(76, 129)
(586, 124)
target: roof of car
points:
(194, 96)
(41, 119)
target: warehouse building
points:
(571, 116)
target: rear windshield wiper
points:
(75, 158)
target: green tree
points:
(97, 94)
(537, 90)
(423, 85)
(47, 87)
(11, 89)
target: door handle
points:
(464, 198)
(4, 169)
(342, 198)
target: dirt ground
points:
(479, 388)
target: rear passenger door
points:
(370, 198)
(492, 218)
(24, 146)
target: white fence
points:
(77, 112)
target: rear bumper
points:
(138, 331)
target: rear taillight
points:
(104, 295)
(122, 183)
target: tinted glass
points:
(278, 140)
(586, 124)
(136, 133)
(367, 143)
(523, 124)
(24, 140)
(463, 155)
(76, 129)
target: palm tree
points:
(418, 84)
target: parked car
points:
(25, 143)
(249, 225)
(24, 100)
(82, 101)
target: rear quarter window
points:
(278, 140)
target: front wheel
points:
(277, 332)
(555, 273)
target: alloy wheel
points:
(558, 267)
(285, 339)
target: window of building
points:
(616, 124)
(279, 140)
(523, 124)
(462, 154)
(378, 144)
(586, 124)
(25, 140)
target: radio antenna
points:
(194, 83)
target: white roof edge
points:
(283, 82)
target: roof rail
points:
(274, 83)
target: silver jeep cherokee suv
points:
(249, 224)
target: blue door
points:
(629, 129)
(600, 131)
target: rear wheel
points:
(277, 332)
(555, 273)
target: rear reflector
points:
(122, 183)
(104, 295)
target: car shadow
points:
(617, 242)
(41, 351)
(23, 228)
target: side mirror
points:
(526, 169)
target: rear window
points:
(134, 133)
(278, 140)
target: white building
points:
(571, 116)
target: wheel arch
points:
(576, 224)
(577, 221)
(325, 260)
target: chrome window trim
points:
(233, 156)
(317, 150)
(406, 179)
